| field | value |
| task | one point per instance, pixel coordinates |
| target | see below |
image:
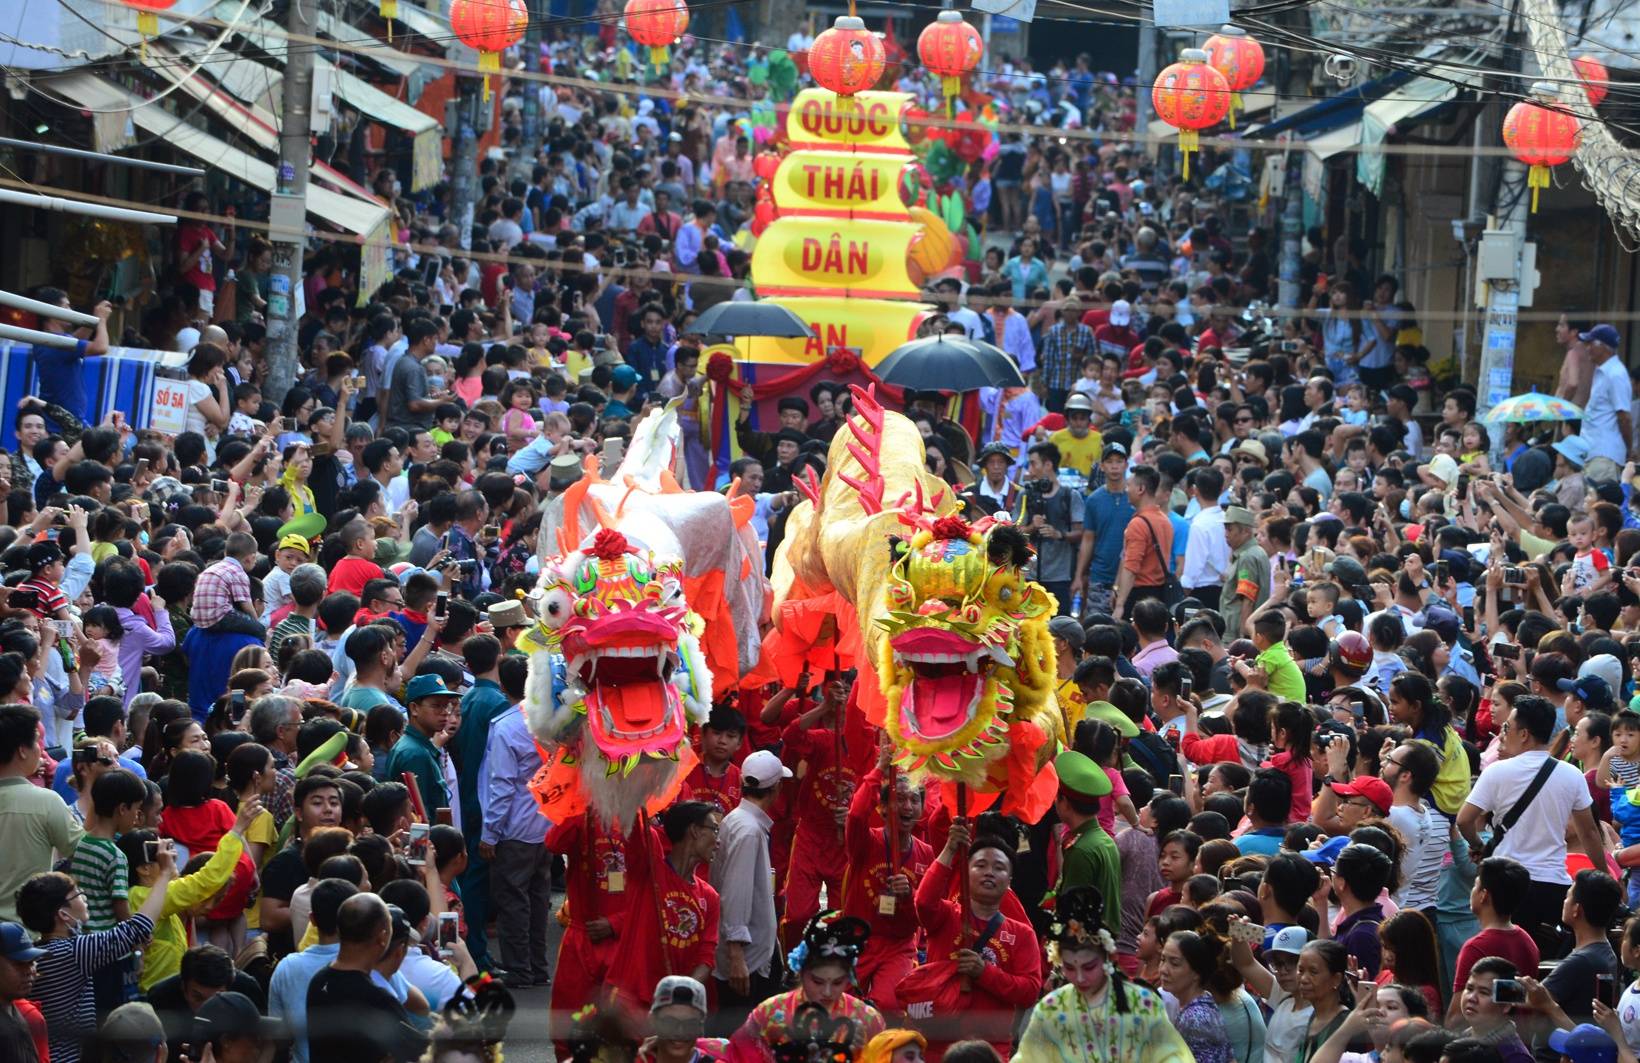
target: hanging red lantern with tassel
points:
(148, 18)
(657, 25)
(490, 27)
(950, 48)
(1239, 58)
(846, 59)
(1597, 80)
(1541, 133)
(1190, 96)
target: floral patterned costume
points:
(1065, 1027)
(766, 1026)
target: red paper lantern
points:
(950, 48)
(657, 25)
(1541, 133)
(148, 19)
(1595, 77)
(489, 27)
(765, 165)
(1190, 96)
(1239, 58)
(846, 58)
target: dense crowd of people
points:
(1346, 684)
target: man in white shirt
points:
(747, 971)
(1410, 771)
(1537, 838)
(1606, 423)
(1207, 551)
(949, 292)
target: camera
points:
(1514, 576)
(1506, 651)
(1508, 991)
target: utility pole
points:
(1499, 267)
(1146, 75)
(532, 89)
(464, 110)
(1292, 226)
(287, 214)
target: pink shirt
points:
(1107, 805)
(1302, 775)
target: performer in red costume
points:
(716, 779)
(595, 889)
(671, 924)
(881, 882)
(983, 965)
(813, 744)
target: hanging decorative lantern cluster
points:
(148, 18)
(1541, 133)
(951, 48)
(1239, 58)
(1190, 96)
(846, 59)
(490, 27)
(1597, 80)
(657, 25)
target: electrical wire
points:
(352, 240)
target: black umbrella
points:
(750, 319)
(941, 363)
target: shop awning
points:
(1333, 112)
(259, 83)
(338, 209)
(359, 42)
(1408, 105)
(430, 26)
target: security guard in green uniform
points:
(1088, 856)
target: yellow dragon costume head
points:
(950, 637)
(968, 650)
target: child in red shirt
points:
(1292, 730)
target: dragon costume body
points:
(950, 637)
(634, 615)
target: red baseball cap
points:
(1370, 787)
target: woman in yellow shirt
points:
(186, 895)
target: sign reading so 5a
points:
(169, 413)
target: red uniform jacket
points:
(671, 921)
(596, 885)
(868, 869)
(824, 790)
(722, 792)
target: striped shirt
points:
(62, 981)
(1625, 771)
(1063, 349)
(100, 870)
(292, 624)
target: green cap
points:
(1079, 774)
(1105, 712)
(308, 526)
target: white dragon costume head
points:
(634, 674)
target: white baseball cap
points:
(1289, 939)
(763, 769)
(1121, 312)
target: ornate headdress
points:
(1079, 920)
(476, 1021)
(813, 1036)
(830, 937)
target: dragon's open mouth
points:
(625, 665)
(950, 676)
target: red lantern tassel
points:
(1189, 141)
(952, 88)
(1537, 177)
(658, 56)
(1235, 105)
